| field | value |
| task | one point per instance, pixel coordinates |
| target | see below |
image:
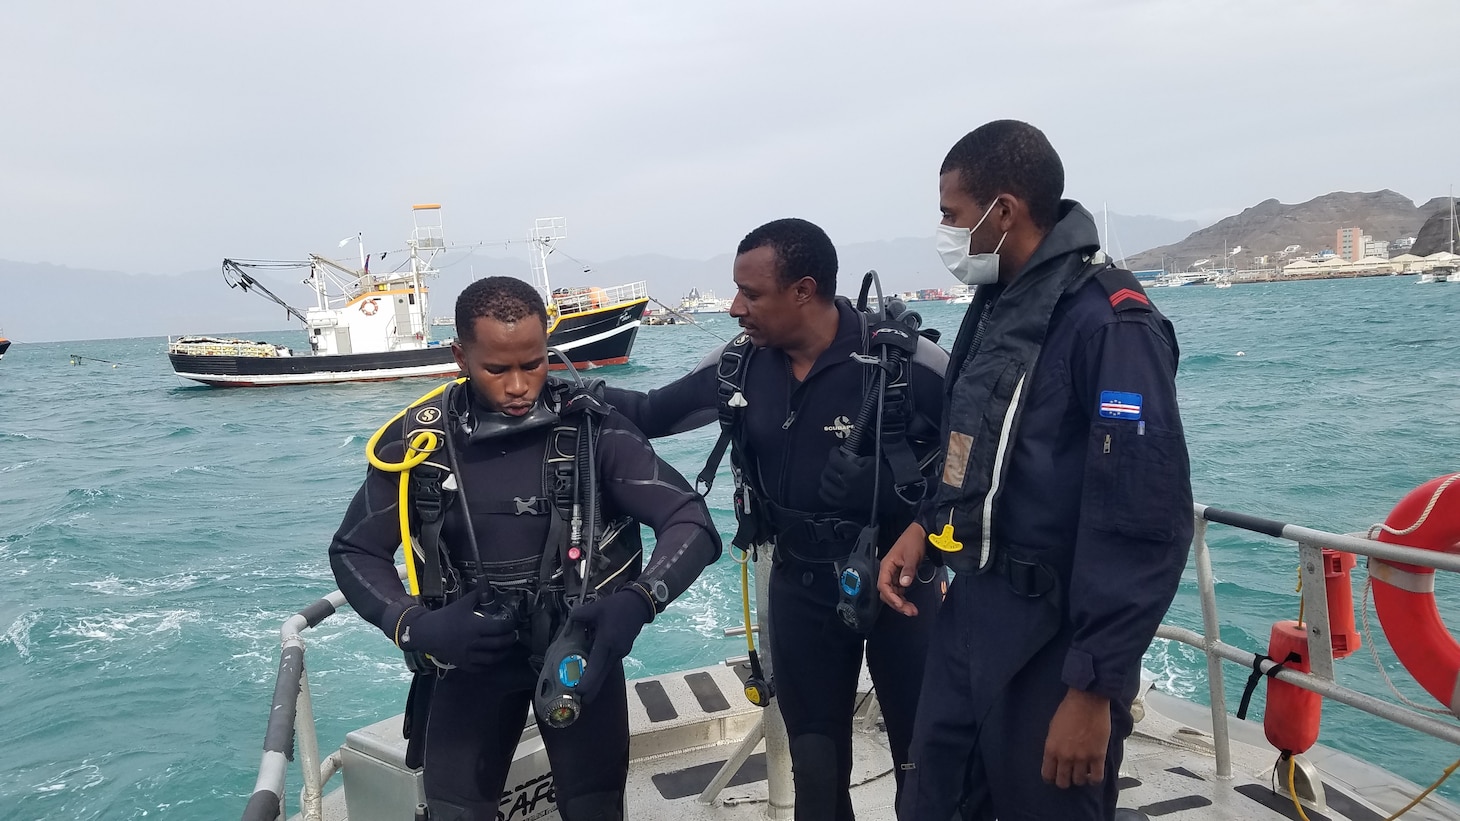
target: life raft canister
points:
(1404, 594)
(1292, 715)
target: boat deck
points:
(685, 725)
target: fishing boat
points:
(373, 326)
(700, 752)
(4, 345)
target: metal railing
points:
(291, 718)
(1321, 680)
(578, 300)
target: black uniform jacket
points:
(1098, 484)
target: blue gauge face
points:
(570, 672)
(851, 582)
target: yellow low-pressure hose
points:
(421, 446)
(745, 600)
(1293, 788)
(1449, 771)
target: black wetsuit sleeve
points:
(1135, 511)
(362, 553)
(639, 484)
(689, 402)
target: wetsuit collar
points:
(481, 424)
(848, 339)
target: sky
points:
(159, 137)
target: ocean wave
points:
(110, 626)
(77, 778)
(1178, 669)
(114, 586)
(18, 633)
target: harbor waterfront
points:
(154, 535)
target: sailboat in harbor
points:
(1453, 273)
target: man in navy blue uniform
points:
(799, 390)
(1063, 506)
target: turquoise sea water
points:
(154, 535)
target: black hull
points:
(4, 346)
(599, 337)
(254, 371)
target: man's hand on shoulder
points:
(1079, 734)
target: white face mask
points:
(970, 269)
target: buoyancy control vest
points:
(986, 399)
(758, 518)
(536, 587)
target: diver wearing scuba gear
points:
(511, 486)
(789, 389)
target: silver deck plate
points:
(1169, 769)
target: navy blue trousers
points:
(979, 755)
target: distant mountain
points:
(44, 302)
(1271, 226)
(40, 302)
(1439, 233)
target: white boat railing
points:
(1321, 680)
(580, 300)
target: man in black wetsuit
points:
(509, 568)
(801, 390)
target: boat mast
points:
(546, 232)
(427, 234)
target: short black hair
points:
(1011, 157)
(803, 249)
(505, 299)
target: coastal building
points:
(1350, 243)
(1375, 248)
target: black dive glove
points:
(613, 623)
(463, 633)
(846, 484)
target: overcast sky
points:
(161, 136)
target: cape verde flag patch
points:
(1118, 405)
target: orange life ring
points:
(368, 307)
(1404, 594)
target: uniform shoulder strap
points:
(1123, 290)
